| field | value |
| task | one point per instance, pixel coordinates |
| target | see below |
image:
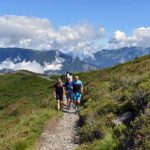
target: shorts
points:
(76, 96)
(69, 95)
(59, 97)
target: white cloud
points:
(24, 65)
(31, 65)
(80, 39)
(36, 33)
(120, 36)
(139, 38)
(142, 36)
(56, 65)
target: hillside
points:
(116, 108)
(26, 103)
(114, 115)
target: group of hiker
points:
(71, 90)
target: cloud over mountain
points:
(25, 65)
(39, 34)
(33, 66)
(139, 38)
(80, 39)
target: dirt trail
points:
(61, 135)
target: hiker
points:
(69, 75)
(59, 92)
(77, 91)
(69, 91)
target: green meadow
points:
(26, 103)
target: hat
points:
(68, 78)
(58, 80)
(76, 77)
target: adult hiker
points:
(59, 92)
(69, 91)
(69, 75)
(77, 91)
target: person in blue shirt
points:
(77, 91)
(69, 91)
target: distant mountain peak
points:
(46, 62)
(108, 58)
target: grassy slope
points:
(26, 103)
(111, 92)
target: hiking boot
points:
(68, 107)
(74, 106)
(75, 112)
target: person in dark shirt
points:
(59, 92)
(69, 91)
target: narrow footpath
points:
(63, 135)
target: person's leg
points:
(78, 102)
(58, 104)
(58, 101)
(61, 102)
(71, 99)
(68, 102)
(68, 99)
(74, 100)
(74, 104)
(64, 98)
(78, 106)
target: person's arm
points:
(81, 87)
(65, 91)
(72, 83)
(54, 93)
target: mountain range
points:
(108, 58)
(57, 62)
(45, 62)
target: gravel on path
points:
(63, 135)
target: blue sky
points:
(74, 26)
(124, 15)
